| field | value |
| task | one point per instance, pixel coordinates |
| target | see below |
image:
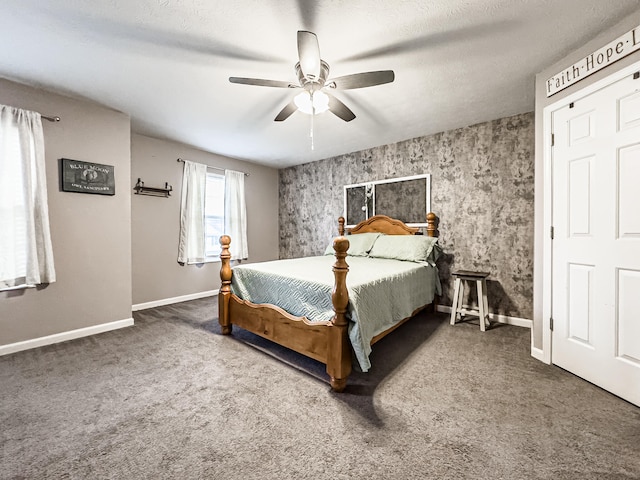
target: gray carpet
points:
(171, 398)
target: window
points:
(213, 215)
(26, 257)
(211, 206)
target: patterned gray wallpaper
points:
(482, 188)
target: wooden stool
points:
(458, 294)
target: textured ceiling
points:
(167, 63)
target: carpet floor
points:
(172, 398)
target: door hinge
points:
(553, 139)
(636, 75)
(551, 323)
(551, 232)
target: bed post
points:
(341, 226)
(339, 354)
(432, 231)
(225, 288)
(432, 224)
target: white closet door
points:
(596, 246)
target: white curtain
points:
(194, 184)
(26, 255)
(235, 213)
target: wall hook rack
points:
(153, 191)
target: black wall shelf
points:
(153, 191)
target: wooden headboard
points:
(389, 226)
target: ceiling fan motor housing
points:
(311, 83)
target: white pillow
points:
(360, 244)
(412, 248)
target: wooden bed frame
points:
(327, 342)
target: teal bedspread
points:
(381, 292)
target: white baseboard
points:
(518, 322)
(64, 336)
(169, 301)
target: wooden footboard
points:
(327, 342)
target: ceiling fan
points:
(312, 74)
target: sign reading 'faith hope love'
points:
(610, 53)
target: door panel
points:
(628, 192)
(580, 195)
(629, 111)
(580, 283)
(628, 321)
(581, 128)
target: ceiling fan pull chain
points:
(311, 130)
(313, 114)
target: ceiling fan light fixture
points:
(304, 102)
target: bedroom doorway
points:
(596, 237)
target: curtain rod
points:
(51, 118)
(215, 168)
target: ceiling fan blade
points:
(286, 112)
(339, 109)
(262, 83)
(309, 54)
(361, 80)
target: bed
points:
(309, 305)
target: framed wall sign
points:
(406, 198)
(85, 177)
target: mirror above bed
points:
(405, 198)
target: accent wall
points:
(482, 189)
